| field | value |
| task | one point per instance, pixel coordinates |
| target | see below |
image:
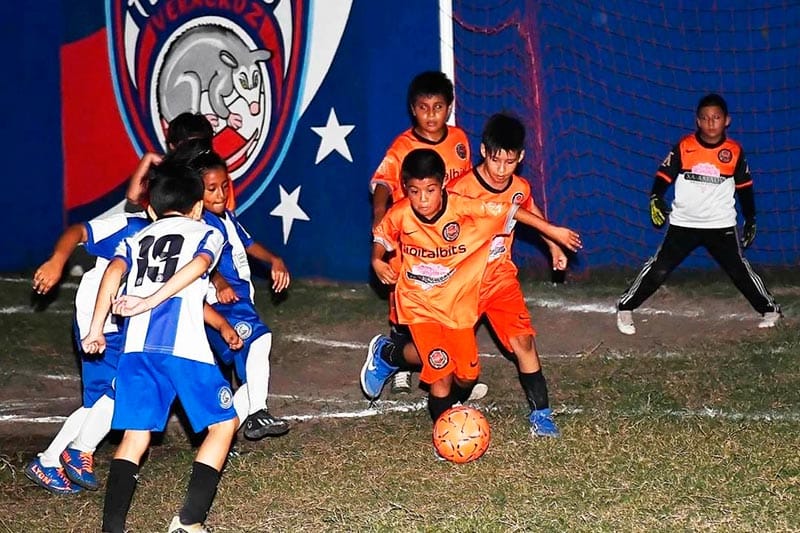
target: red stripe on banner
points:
(98, 155)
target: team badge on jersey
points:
(225, 397)
(438, 358)
(517, 198)
(461, 151)
(725, 155)
(239, 63)
(451, 231)
(244, 330)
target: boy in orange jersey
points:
(445, 240)
(430, 103)
(501, 299)
(708, 169)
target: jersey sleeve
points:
(211, 245)
(671, 166)
(388, 173)
(387, 232)
(104, 234)
(247, 239)
(741, 174)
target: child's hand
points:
(385, 273)
(558, 256)
(46, 276)
(231, 337)
(128, 305)
(227, 295)
(567, 238)
(280, 275)
(94, 343)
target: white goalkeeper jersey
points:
(104, 235)
(175, 326)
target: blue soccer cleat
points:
(542, 424)
(79, 468)
(50, 478)
(376, 372)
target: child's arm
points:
(137, 188)
(213, 318)
(95, 341)
(556, 252)
(562, 236)
(225, 293)
(280, 274)
(49, 273)
(380, 202)
(385, 273)
(128, 305)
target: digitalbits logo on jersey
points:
(239, 63)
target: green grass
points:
(706, 439)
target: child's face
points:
(430, 115)
(425, 195)
(712, 121)
(500, 166)
(215, 195)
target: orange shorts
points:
(446, 351)
(505, 309)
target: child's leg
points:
(257, 367)
(678, 243)
(69, 430)
(78, 459)
(723, 245)
(122, 476)
(206, 472)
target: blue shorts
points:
(242, 315)
(147, 384)
(99, 370)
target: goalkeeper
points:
(706, 168)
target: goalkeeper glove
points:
(749, 232)
(658, 210)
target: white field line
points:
(386, 407)
(610, 309)
(28, 310)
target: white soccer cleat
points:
(479, 392)
(401, 383)
(177, 527)
(769, 320)
(625, 323)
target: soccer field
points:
(690, 425)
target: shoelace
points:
(87, 464)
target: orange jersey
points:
(443, 259)
(518, 192)
(453, 147)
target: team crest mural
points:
(252, 67)
(247, 65)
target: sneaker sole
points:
(479, 392)
(364, 367)
(268, 431)
(30, 475)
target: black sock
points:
(202, 489)
(535, 387)
(120, 486)
(459, 393)
(437, 406)
(392, 353)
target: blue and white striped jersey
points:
(233, 265)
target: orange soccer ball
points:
(461, 434)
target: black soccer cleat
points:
(262, 424)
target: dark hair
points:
(430, 83)
(174, 187)
(208, 160)
(503, 132)
(188, 126)
(188, 151)
(422, 163)
(712, 100)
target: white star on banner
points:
(288, 210)
(333, 137)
